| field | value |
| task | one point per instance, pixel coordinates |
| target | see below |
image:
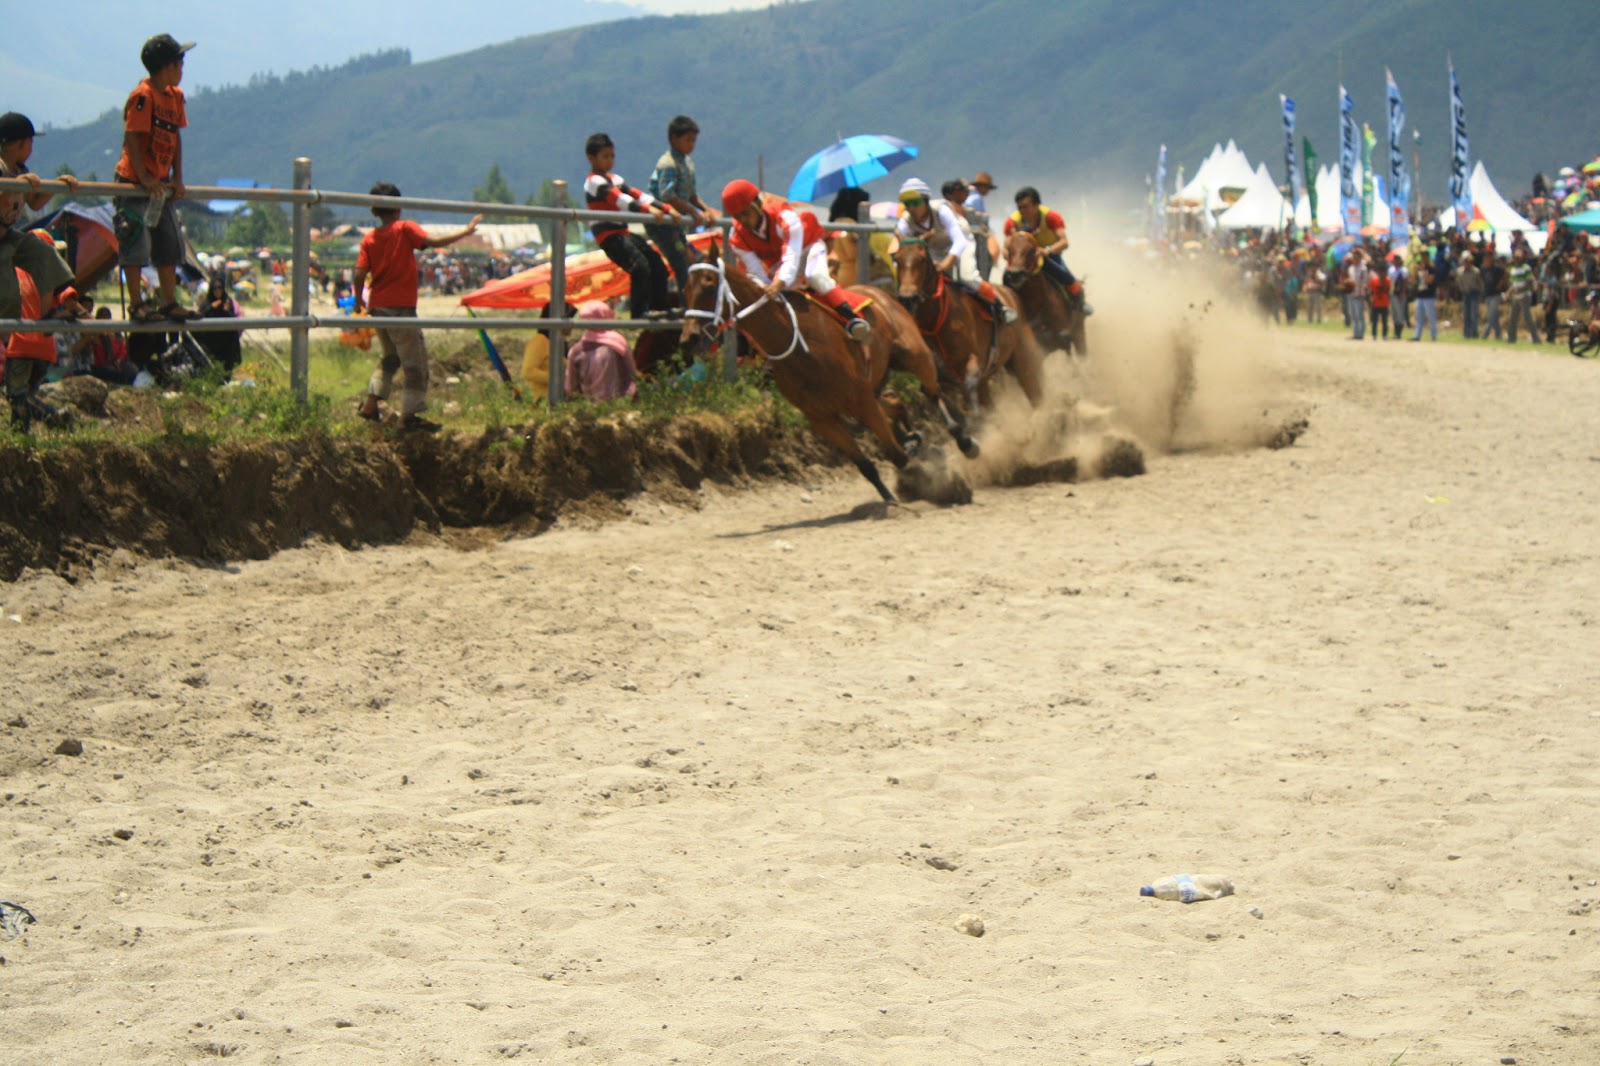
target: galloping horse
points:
(968, 347)
(815, 364)
(1055, 317)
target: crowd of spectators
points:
(1460, 281)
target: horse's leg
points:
(918, 359)
(830, 429)
(1027, 363)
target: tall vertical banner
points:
(1311, 181)
(1460, 186)
(1160, 227)
(1399, 220)
(1349, 202)
(1290, 169)
(1369, 141)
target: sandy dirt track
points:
(667, 790)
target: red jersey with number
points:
(388, 256)
(155, 115)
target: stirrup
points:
(860, 330)
(1007, 313)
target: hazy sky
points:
(67, 70)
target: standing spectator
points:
(1552, 281)
(606, 191)
(1520, 289)
(152, 158)
(1425, 285)
(978, 218)
(1399, 293)
(1494, 288)
(1378, 290)
(1469, 283)
(388, 257)
(1316, 277)
(673, 182)
(599, 366)
(1291, 291)
(1358, 278)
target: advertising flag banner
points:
(1369, 141)
(1349, 146)
(1160, 227)
(1310, 154)
(1292, 171)
(1399, 219)
(1460, 186)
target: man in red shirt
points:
(388, 257)
(152, 158)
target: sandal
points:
(143, 312)
(175, 312)
(418, 424)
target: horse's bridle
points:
(726, 312)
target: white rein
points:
(726, 302)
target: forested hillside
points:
(1066, 94)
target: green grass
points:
(259, 404)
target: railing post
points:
(730, 344)
(300, 289)
(863, 247)
(558, 299)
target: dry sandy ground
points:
(668, 790)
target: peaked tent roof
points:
(1487, 201)
(1261, 205)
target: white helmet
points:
(915, 187)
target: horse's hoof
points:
(912, 443)
(969, 447)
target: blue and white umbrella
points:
(853, 161)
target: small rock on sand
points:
(970, 924)
(70, 747)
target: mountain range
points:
(1074, 96)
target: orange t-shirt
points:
(157, 115)
(387, 257)
(31, 345)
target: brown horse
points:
(1055, 316)
(971, 349)
(815, 364)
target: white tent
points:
(1488, 203)
(1260, 206)
(1224, 168)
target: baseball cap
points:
(162, 50)
(15, 127)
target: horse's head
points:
(1022, 258)
(702, 289)
(913, 267)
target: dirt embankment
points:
(61, 510)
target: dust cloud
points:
(1176, 363)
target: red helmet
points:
(738, 195)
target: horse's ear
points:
(716, 244)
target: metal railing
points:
(300, 321)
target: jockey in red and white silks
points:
(780, 247)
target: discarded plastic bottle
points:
(1189, 888)
(152, 207)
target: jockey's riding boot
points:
(1001, 310)
(860, 329)
(1076, 289)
